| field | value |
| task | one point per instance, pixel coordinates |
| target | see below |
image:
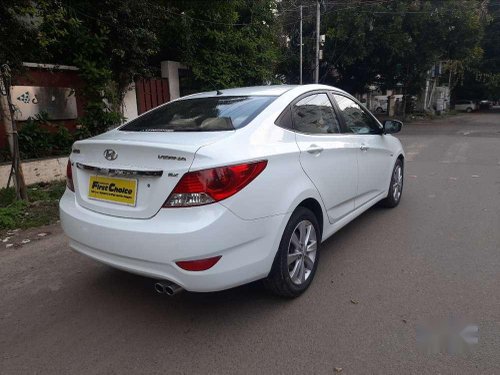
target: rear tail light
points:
(213, 185)
(198, 265)
(69, 177)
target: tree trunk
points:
(7, 115)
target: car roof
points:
(270, 90)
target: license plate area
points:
(113, 189)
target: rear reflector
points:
(198, 265)
(69, 177)
(213, 185)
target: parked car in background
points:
(465, 105)
(219, 189)
(485, 104)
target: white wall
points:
(130, 103)
(43, 170)
(170, 70)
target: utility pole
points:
(300, 64)
(316, 70)
(426, 93)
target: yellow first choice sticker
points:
(116, 190)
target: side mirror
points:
(392, 126)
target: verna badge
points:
(110, 154)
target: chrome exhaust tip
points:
(159, 287)
(173, 289)
(167, 287)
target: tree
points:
(490, 64)
(481, 79)
(224, 43)
(391, 42)
(14, 15)
(113, 41)
(18, 29)
(110, 41)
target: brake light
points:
(213, 185)
(69, 177)
(198, 265)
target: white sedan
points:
(219, 189)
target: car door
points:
(373, 152)
(327, 156)
(460, 106)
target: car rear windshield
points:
(201, 114)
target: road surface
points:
(387, 273)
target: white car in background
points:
(219, 189)
(379, 102)
(465, 105)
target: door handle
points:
(364, 148)
(314, 149)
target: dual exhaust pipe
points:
(167, 287)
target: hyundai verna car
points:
(219, 189)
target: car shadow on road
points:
(113, 300)
(136, 292)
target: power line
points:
(335, 10)
(212, 22)
(346, 5)
(279, 12)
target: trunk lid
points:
(140, 172)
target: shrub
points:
(98, 118)
(42, 208)
(11, 215)
(36, 141)
(39, 138)
(62, 140)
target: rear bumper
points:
(150, 247)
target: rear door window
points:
(201, 114)
(314, 115)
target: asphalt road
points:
(435, 256)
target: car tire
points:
(379, 110)
(469, 110)
(295, 264)
(396, 186)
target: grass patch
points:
(41, 209)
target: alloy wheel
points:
(302, 252)
(397, 183)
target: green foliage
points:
(226, 43)
(70, 39)
(41, 210)
(47, 191)
(242, 42)
(62, 140)
(82, 132)
(18, 40)
(12, 214)
(367, 41)
(481, 79)
(33, 140)
(110, 41)
(40, 138)
(7, 197)
(98, 119)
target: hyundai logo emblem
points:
(110, 154)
